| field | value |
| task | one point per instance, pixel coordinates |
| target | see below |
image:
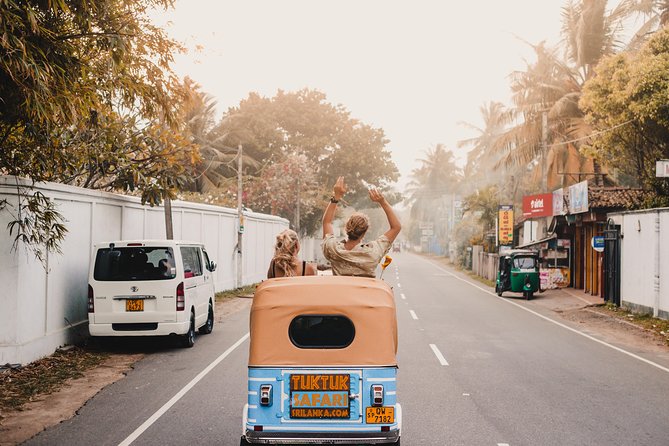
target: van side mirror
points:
(212, 266)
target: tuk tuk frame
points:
(367, 411)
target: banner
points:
(505, 225)
(540, 205)
(578, 198)
(558, 202)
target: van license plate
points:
(380, 415)
(134, 305)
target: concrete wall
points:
(644, 260)
(44, 309)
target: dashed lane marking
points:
(403, 296)
(438, 354)
(413, 314)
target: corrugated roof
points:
(623, 198)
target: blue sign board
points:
(598, 243)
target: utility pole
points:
(544, 149)
(240, 216)
(297, 208)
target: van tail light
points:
(91, 302)
(266, 395)
(181, 297)
(377, 395)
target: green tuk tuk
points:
(518, 272)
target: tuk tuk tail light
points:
(266, 395)
(377, 395)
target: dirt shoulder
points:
(44, 410)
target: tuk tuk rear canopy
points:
(368, 303)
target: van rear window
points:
(134, 263)
(321, 331)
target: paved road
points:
(474, 370)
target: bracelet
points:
(332, 200)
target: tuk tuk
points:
(322, 363)
(518, 272)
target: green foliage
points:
(485, 204)
(35, 223)
(303, 122)
(87, 97)
(627, 103)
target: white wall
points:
(41, 310)
(645, 253)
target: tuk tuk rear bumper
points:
(322, 437)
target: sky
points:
(417, 69)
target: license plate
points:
(134, 305)
(320, 396)
(380, 415)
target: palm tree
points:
(481, 159)
(547, 93)
(218, 158)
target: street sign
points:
(662, 169)
(597, 243)
(505, 225)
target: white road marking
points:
(559, 324)
(399, 285)
(413, 314)
(502, 444)
(153, 418)
(403, 296)
(465, 394)
(438, 354)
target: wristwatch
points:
(332, 200)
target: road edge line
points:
(153, 418)
(573, 330)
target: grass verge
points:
(19, 386)
(246, 291)
(658, 326)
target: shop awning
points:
(537, 242)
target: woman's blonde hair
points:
(356, 226)
(285, 252)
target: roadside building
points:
(568, 234)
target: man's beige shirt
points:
(360, 261)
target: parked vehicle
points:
(151, 288)
(322, 363)
(518, 272)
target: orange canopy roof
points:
(368, 303)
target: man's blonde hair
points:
(357, 225)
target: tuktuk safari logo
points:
(320, 396)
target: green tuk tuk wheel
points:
(498, 290)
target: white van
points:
(151, 288)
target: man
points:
(351, 257)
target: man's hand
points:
(376, 196)
(339, 189)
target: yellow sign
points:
(505, 224)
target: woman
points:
(351, 257)
(285, 262)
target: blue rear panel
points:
(318, 399)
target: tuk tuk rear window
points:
(321, 331)
(524, 262)
(134, 263)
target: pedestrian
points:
(352, 257)
(285, 262)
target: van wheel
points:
(397, 443)
(209, 325)
(243, 442)
(189, 338)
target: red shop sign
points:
(540, 205)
